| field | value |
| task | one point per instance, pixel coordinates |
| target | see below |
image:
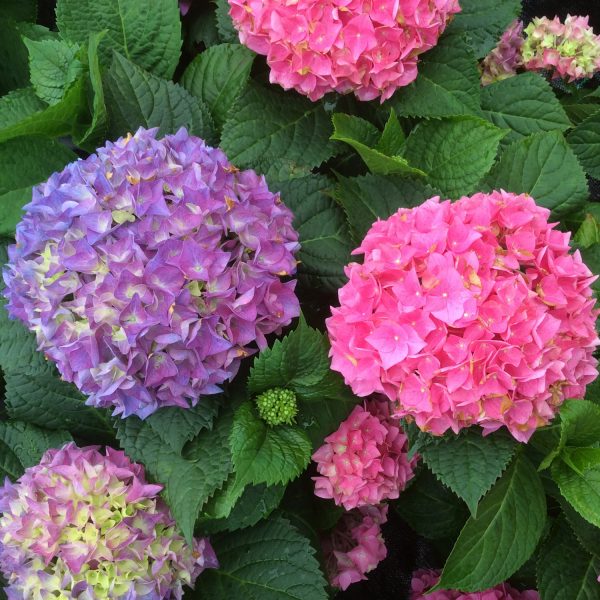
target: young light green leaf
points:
(447, 85)
(324, 235)
(585, 142)
(503, 535)
(544, 166)
(565, 571)
(270, 561)
(267, 125)
(469, 464)
(361, 135)
(137, 98)
(370, 197)
(484, 21)
(217, 77)
(525, 104)
(455, 152)
(263, 454)
(147, 33)
(588, 233)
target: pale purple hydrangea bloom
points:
(88, 526)
(150, 269)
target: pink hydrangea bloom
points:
(365, 46)
(355, 546)
(423, 580)
(568, 50)
(88, 526)
(504, 60)
(365, 461)
(473, 312)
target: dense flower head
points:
(366, 460)
(369, 47)
(504, 60)
(150, 269)
(88, 526)
(568, 50)
(465, 313)
(423, 580)
(277, 406)
(355, 546)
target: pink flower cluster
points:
(465, 313)
(423, 580)
(365, 461)
(504, 60)
(370, 47)
(355, 546)
(568, 50)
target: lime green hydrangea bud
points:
(277, 407)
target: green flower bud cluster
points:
(277, 406)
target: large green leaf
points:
(217, 76)
(17, 106)
(13, 57)
(270, 561)
(447, 85)
(138, 98)
(263, 454)
(544, 166)
(368, 198)
(469, 464)
(24, 162)
(324, 235)
(587, 535)
(585, 142)
(525, 104)
(484, 21)
(267, 125)
(227, 32)
(503, 535)
(565, 571)
(147, 33)
(455, 152)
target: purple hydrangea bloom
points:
(88, 526)
(150, 269)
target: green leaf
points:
(587, 535)
(263, 454)
(455, 152)
(257, 502)
(580, 105)
(580, 423)
(367, 198)
(54, 67)
(392, 139)
(22, 445)
(565, 571)
(544, 166)
(137, 98)
(448, 83)
(270, 561)
(525, 104)
(588, 233)
(147, 33)
(324, 235)
(469, 464)
(426, 496)
(225, 27)
(176, 426)
(585, 142)
(580, 487)
(18, 10)
(24, 162)
(360, 134)
(509, 523)
(17, 106)
(484, 21)
(217, 77)
(267, 125)
(13, 57)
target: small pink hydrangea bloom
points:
(423, 580)
(355, 546)
(88, 526)
(365, 461)
(504, 60)
(568, 50)
(464, 313)
(318, 46)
